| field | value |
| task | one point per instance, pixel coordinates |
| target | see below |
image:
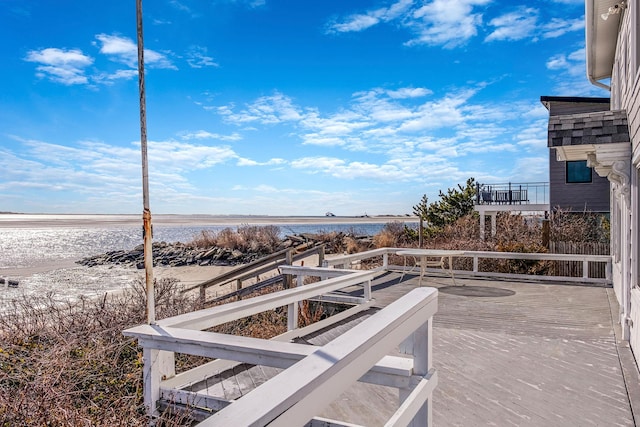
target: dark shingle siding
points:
(599, 127)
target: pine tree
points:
(421, 210)
(456, 203)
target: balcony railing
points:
(512, 193)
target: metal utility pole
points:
(146, 213)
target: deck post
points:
(385, 261)
(158, 366)
(493, 223)
(420, 345)
(585, 269)
(321, 256)
(292, 309)
(367, 290)
(287, 277)
(475, 263)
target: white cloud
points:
(266, 110)
(573, 63)
(450, 24)
(105, 78)
(197, 58)
(349, 170)
(445, 23)
(271, 162)
(124, 50)
(515, 25)
(409, 92)
(440, 22)
(360, 22)
(558, 27)
(202, 134)
(60, 65)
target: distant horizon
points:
(206, 214)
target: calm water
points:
(43, 258)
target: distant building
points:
(573, 185)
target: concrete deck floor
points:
(514, 354)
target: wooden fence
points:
(574, 268)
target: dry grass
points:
(515, 233)
(68, 364)
(246, 238)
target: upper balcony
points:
(518, 196)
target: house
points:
(613, 63)
(573, 186)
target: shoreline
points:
(109, 220)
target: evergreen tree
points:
(421, 210)
(456, 203)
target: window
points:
(577, 171)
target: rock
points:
(180, 254)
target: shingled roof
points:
(600, 127)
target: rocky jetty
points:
(181, 254)
(171, 255)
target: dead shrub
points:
(567, 226)
(67, 362)
(204, 239)
(393, 234)
(246, 238)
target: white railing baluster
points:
(158, 366)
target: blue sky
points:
(278, 107)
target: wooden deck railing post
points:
(158, 365)
(321, 256)
(292, 309)
(287, 277)
(203, 295)
(420, 345)
(238, 287)
(585, 269)
(367, 290)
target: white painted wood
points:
(292, 316)
(196, 374)
(476, 255)
(193, 399)
(344, 299)
(325, 422)
(413, 403)
(313, 271)
(203, 319)
(292, 397)
(257, 351)
(158, 365)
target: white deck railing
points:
(313, 375)
(348, 261)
